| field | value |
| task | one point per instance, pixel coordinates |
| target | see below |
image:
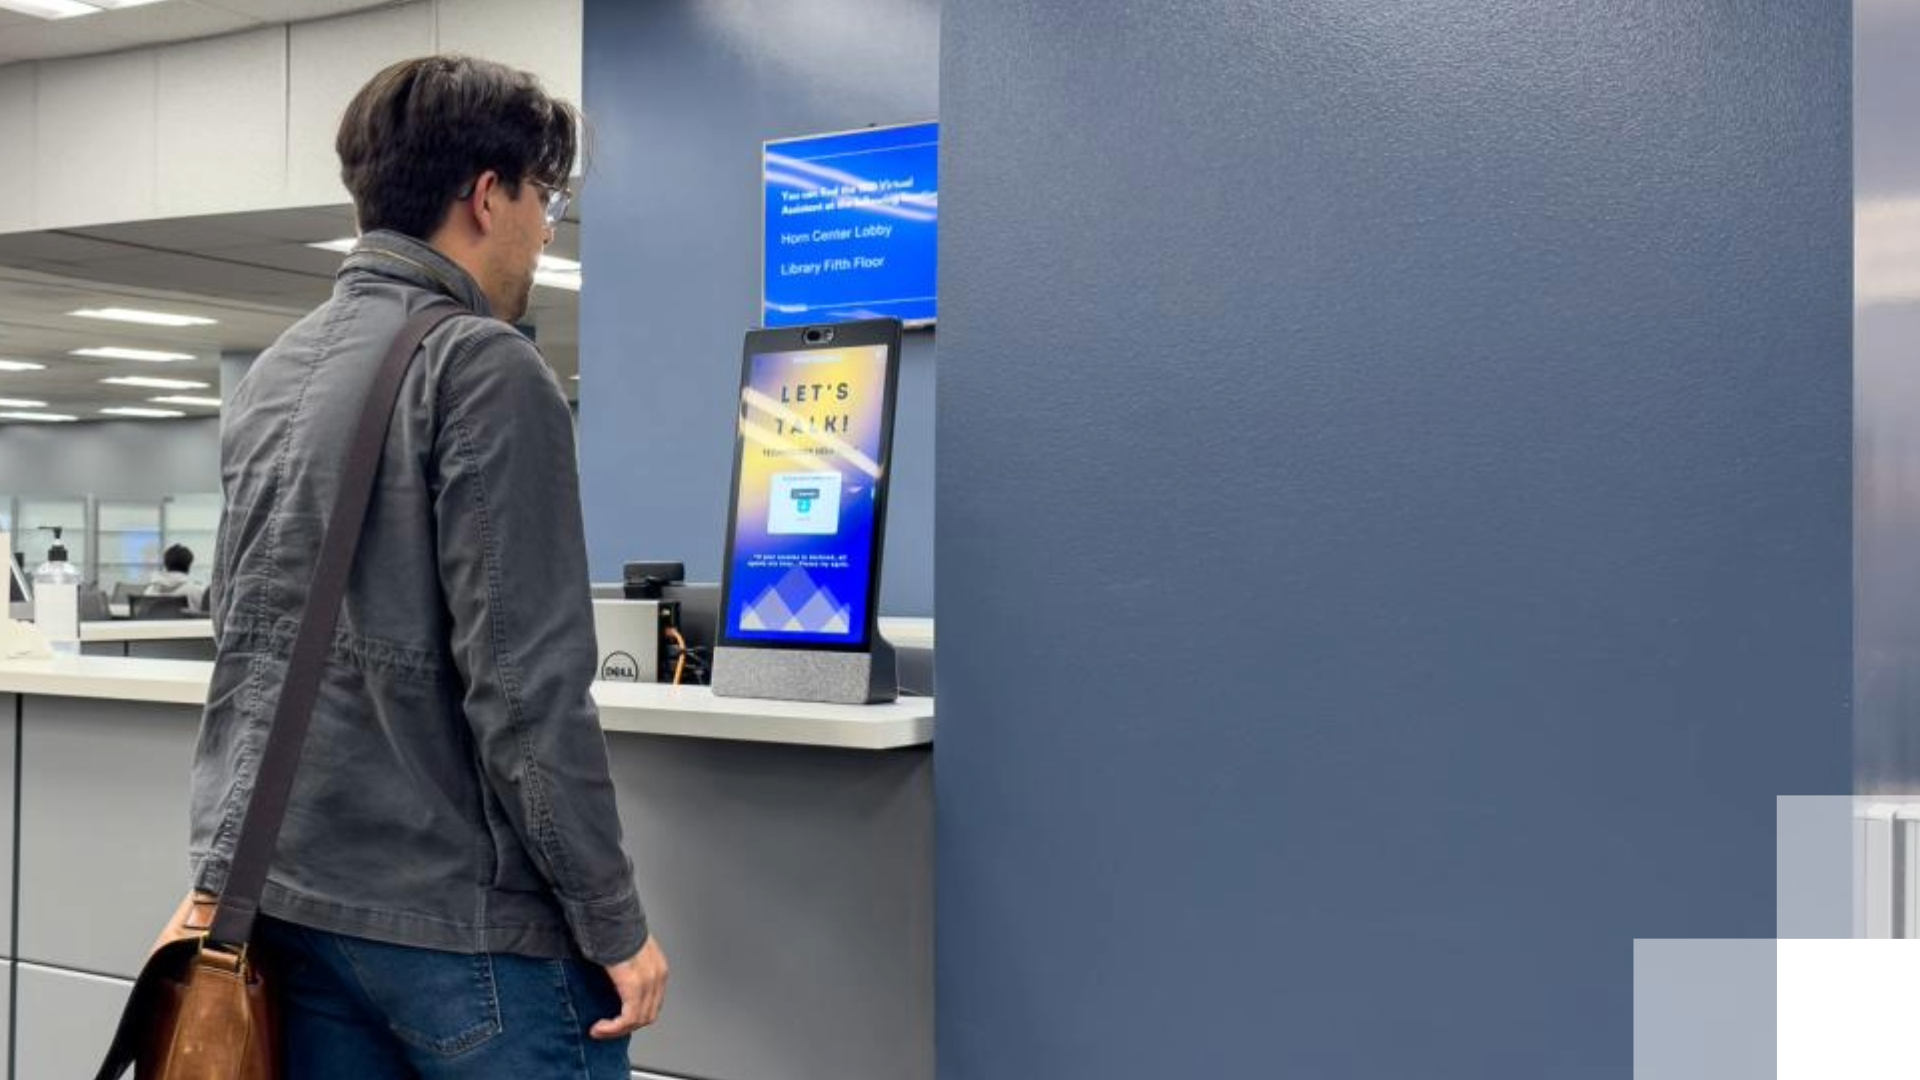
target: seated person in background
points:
(173, 580)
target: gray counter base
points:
(186, 649)
(791, 888)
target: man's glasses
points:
(555, 199)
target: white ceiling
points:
(23, 37)
(251, 272)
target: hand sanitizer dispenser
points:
(56, 600)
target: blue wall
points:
(679, 96)
(1394, 521)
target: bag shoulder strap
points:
(273, 782)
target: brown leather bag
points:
(201, 1008)
(197, 1011)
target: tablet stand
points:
(838, 678)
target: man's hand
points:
(190, 920)
(642, 984)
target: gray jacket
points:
(454, 790)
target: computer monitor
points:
(19, 592)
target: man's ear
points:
(485, 201)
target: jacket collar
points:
(396, 255)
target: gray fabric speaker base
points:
(835, 678)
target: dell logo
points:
(620, 667)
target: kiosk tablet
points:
(799, 596)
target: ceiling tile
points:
(176, 234)
(296, 226)
(112, 31)
(247, 270)
(28, 38)
(292, 10)
(297, 258)
(65, 249)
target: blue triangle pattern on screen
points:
(797, 604)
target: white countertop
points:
(170, 682)
(147, 630)
(906, 633)
(638, 708)
(661, 709)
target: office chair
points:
(159, 607)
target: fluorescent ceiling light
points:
(557, 280)
(144, 318)
(21, 365)
(157, 384)
(148, 356)
(557, 273)
(20, 403)
(43, 416)
(149, 414)
(50, 9)
(177, 399)
(67, 9)
(338, 247)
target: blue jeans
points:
(366, 1010)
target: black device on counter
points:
(691, 610)
(644, 580)
(699, 610)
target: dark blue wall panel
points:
(679, 95)
(1394, 521)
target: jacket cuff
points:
(609, 929)
(209, 873)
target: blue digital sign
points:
(851, 221)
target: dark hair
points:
(423, 129)
(178, 558)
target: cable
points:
(680, 647)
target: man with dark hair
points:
(448, 897)
(174, 579)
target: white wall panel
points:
(94, 140)
(66, 1020)
(18, 95)
(91, 899)
(223, 124)
(328, 63)
(542, 38)
(242, 122)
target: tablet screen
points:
(809, 491)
